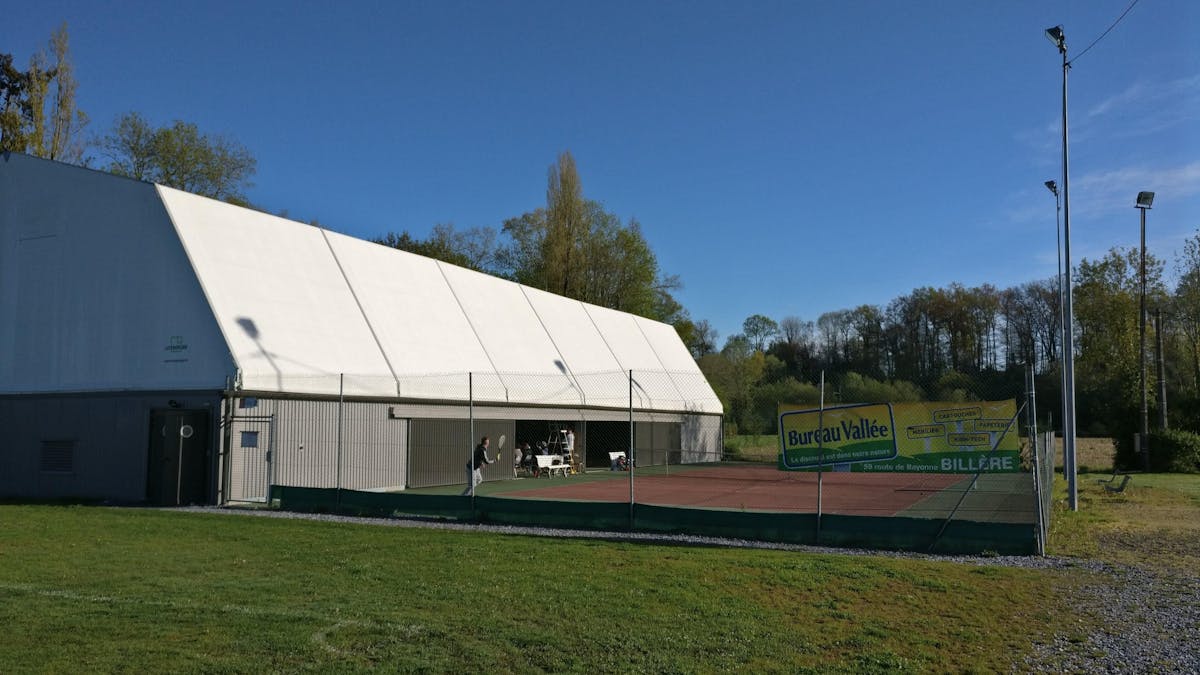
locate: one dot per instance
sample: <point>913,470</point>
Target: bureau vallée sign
<point>927,437</point>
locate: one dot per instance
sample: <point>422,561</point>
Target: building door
<point>251,460</point>
<point>178,471</point>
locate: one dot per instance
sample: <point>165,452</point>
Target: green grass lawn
<point>1154,523</point>
<point>94,589</point>
<point>132,590</point>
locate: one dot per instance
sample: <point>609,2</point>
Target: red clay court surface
<point>761,489</point>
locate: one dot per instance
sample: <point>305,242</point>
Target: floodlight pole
<point>1059,39</point>
<point>1145,416</point>
<point>1062,324</point>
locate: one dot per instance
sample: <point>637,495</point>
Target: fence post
<point>341,402</point>
<point>471,437</point>
<point>820,455</point>
<point>1034,453</point>
<point>632,458</point>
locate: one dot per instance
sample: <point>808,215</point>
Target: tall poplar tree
<point>39,114</point>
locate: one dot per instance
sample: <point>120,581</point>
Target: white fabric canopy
<point>123,273</point>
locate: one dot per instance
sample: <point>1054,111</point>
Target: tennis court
<point>757,487</point>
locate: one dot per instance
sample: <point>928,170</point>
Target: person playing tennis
<point>475,466</point>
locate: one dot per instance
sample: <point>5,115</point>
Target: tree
<point>705,339</point>
<point>39,114</point>
<point>180,156</point>
<point>576,248</point>
<point>473,248</point>
<point>566,227</point>
<point>1186,316</point>
<point>795,330</point>
<point>14,106</point>
<point>758,329</point>
<point>1106,318</point>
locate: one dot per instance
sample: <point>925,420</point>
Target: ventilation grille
<point>58,457</point>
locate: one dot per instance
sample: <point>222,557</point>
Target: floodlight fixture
<point>1052,187</point>
<point>1144,200</point>
<point>1058,37</point>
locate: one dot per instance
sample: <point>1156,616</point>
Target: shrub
<point>1126,457</point>
<point>1175,451</point>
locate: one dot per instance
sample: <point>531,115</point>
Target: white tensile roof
<point>297,308</point>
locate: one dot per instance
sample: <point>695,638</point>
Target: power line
<point>1114,25</point>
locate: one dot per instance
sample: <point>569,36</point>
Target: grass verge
<point>135,590</point>
<point>1154,523</point>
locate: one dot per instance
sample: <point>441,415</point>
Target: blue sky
<point>783,158</point>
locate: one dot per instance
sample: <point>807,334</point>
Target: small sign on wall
<point>176,350</point>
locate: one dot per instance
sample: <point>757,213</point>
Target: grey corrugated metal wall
<point>390,446</point>
<point>297,443</point>
<point>440,450</point>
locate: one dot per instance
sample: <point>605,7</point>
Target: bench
<point>548,464</point>
<point>1120,488</point>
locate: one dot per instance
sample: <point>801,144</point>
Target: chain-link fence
<point>910,474</point>
<point>331,432</point>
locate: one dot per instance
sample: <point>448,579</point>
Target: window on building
<point>249,439</point>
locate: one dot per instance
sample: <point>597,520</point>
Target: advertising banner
<point>932,437</point>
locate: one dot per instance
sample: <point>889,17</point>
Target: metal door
<point>179,457</point>
<point>251,457</point>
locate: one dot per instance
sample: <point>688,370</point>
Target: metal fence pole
<point>632,459</point>
<point>1032,434</point>
<point>820,454</point>
<point>471,436</point>
<point>341,402</point>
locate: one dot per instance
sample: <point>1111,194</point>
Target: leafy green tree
<point>704,339</point>
<point>857,388</point>
<point>1106,318</point>
<point>759,329</point>
<point>39,114</point>
<point>474,248</point>
<point>575,248</point>
<point>180,156</point>
<point>14,106</point>
<point>568,225</point>
<point>1185,317</point>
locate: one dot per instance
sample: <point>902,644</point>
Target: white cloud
<point>1112,191</point>
<point>1152,96</point>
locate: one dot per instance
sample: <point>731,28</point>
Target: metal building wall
<point>441,448</point>
<point>101,442</point>
<point>388,446</point>
<point>297,444</point>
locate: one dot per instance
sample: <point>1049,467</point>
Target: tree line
<point>958,343</point>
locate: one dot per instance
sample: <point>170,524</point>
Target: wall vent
<point>58,457</point>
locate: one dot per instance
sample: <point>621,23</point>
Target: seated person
<point>619,464</point>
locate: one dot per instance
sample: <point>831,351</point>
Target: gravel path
<point>1146,622</point>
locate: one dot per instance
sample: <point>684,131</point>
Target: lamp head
<point>1145,199</point>
<point>1052,186</point>
<point>1059,38</point>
